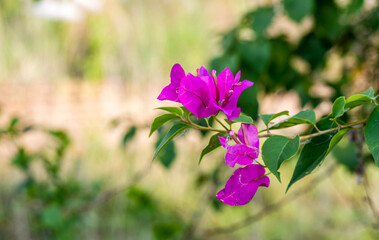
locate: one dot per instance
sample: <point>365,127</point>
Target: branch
<point>268,209</point>
<point>319,133</point>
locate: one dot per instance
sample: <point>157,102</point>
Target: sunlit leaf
<point>359,99</point>
<point>267,118</point>
<point>338,108</point>
<point>172,133</point>
<point>160,121</point>
<point>175,110</point>
<point>303,117</point>
<point>276,150</point>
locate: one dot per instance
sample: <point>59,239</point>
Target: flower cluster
<point>205,95</point>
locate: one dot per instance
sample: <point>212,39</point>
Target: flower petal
<point>223,142</point>
<point>194,94</point>
<point>231,104</point>
<point>251,135</point>
<point>243,184</point>
<point>169,93</point>
<point>203,72</point>
<point>241,154</point>
<point>225,82</point>
<point>177,73</point>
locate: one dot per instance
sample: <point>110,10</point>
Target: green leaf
<point>173,132</point>
<point>175,110</point>
<point>186,112</point>
<point>354,6</point>
<point>359,99</point>
<point>267,118</point>
<point>256,54</point>
<point>160,121</point>
<point>303,117</point>
<point>167,231</point>
<point>241,119</point>
<point>212,145</point>
<point>22,160</point>
<point>129,135</point>
<point>314,152</point>
<point>337,138</point>
<point>261,19</point>
<point>51,216</point>
<point>297,10</point>
<point>372,134</point>
<point>347,155</point>
<point>168,153</point>
<point>276,150</point>
<point>338,108</point>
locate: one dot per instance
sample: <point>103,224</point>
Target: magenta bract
<point>243,184</point>
<point>170,92</point>
<point>205,95</point>
<point>244,152</point>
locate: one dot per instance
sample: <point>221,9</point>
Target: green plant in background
<point>275,62</point>
<point>54,201</point>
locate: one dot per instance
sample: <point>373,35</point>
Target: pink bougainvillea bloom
<point>243,184</point>
<point>226,89</point>
<point>247,148</point>
<point>195,95</point>
<point>205,95</point>
<point>170,92</point>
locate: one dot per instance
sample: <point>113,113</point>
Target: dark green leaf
<point>327,20</point>
<point>359,99</point>
<point>297,10</point>
<point>168,154</point>
<point>160,121</point>
<point>276,150</point>
<point>256,54</point>
<point>212,145</point>
<point>261,19</point>
<point>372,134</point>
<point>303,117</point>
<point>346,155</point>
<point>241,119</point>
<point>313,152</point>
<point>338,108</point>
<point>129,135</point>
<point>22,159</point>
<point>337,138</point>
<point>166,231</point>
<point>267,118</point>
<point>175,110</point>
<point>354,6</point>
<point>173,132</point>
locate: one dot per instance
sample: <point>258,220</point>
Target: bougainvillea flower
<point>247,148</point>
<point>243,184</point>
<point>194,93</point>
<point>226,89</point>
<point>170,92</point>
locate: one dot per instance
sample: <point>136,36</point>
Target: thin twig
<point>268,209</point>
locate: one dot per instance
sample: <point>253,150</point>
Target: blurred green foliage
<point>275,61</point>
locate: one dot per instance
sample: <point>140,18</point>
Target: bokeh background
<point>78,87</point>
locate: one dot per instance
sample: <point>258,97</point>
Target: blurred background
<point>78,87</point>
